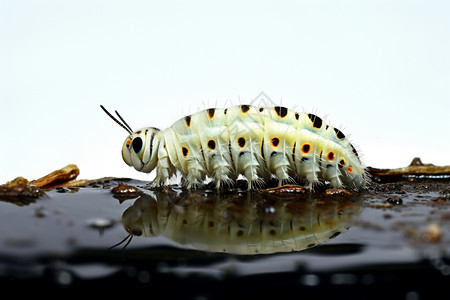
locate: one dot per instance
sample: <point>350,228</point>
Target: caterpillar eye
<point>137,145</point>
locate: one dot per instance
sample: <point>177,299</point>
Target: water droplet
<point>62,190</point>
<point>64,278</point>
<point>269,210</point>
<point>340,279</point>
<point>367,279</point>
<point>310,280</point>
<point>394,201</point>
<point>100,223</point>
<point>412,295</point>
<point>143,276</point>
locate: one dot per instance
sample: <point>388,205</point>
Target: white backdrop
<point>378,70</point>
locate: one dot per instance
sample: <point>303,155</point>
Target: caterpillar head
<point>140,148</point>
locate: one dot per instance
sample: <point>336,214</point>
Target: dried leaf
<point>17,181</point>
<point>416,167</point>
<point>57,178</point>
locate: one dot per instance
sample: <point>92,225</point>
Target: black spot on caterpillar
<point>281,111</point>
<point>188,120</point>
<point>339,133</point>
<point>245,108</point>
<point>211,112</point>
<point>317,122</point>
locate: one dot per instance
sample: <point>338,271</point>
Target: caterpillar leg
<point>336,183</point>
<point>250,169</point>
<point>220,169</point>
<point>196,174</point>
<point>281,167</point>
<point>164,170</point>
<point>353,180</point>
<point>332,174</point>
<point>251,173</point>
<point>160,178</point>
<point>308,168</point>
<point>283,175</point>
<point>222,178</point>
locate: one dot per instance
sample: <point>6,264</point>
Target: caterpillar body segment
<point>256,142</point>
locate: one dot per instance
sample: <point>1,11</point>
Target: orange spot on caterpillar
<point>330,156</point>
<point>275,141</point>
<point>241,142</point>
<point>306,148</point>
<point>185,151</point>
<point>211,144</point>
<point>350,170</point>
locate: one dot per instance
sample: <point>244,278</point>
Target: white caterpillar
<point>257,142</point>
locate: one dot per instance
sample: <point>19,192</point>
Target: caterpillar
<point>258,143</point>
<point>249,223</point>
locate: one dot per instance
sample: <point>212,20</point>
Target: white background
<point>378,70</point>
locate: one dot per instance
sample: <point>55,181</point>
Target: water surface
<point>218,244</point>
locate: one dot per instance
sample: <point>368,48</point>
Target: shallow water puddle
<point>391,233</point>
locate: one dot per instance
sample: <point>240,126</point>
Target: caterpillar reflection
<point>258,143</point>
<point>250,223</point>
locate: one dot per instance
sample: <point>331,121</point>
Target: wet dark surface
<point>392,240</point>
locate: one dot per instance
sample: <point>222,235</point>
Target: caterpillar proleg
<point>258,143</point>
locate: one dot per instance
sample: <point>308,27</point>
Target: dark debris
<point>20,194</point>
